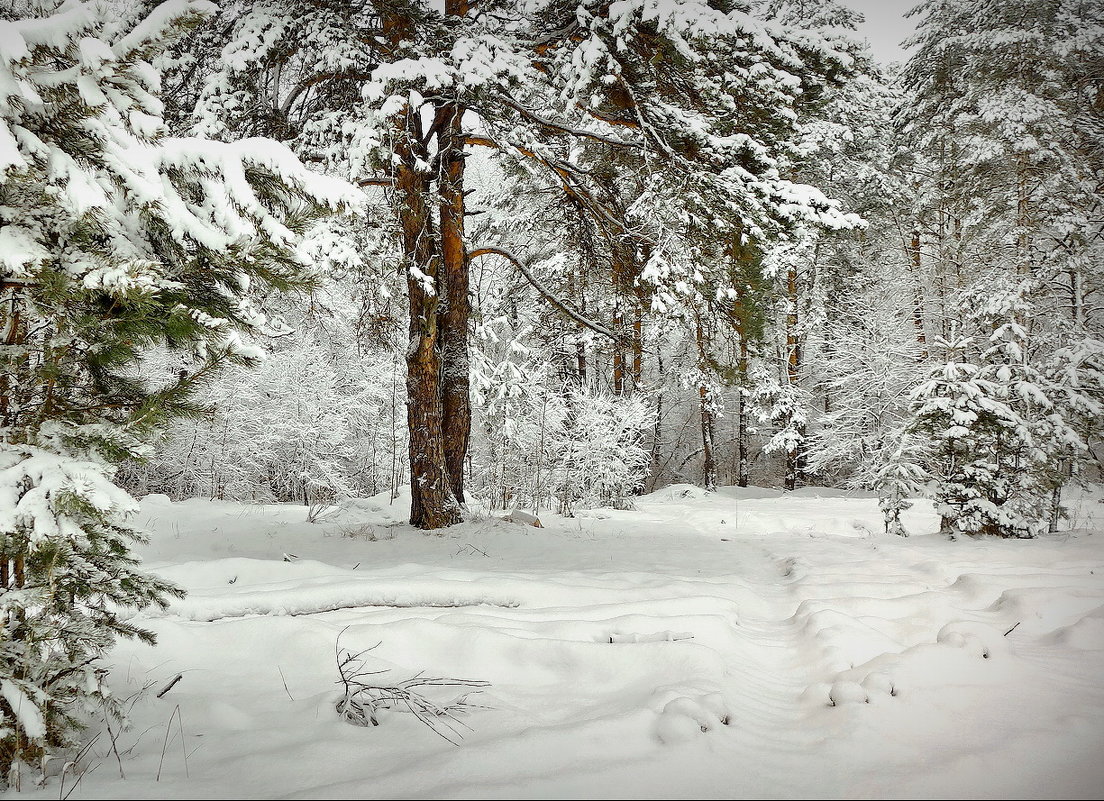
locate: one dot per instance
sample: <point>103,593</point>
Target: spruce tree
<point>1004,415</point>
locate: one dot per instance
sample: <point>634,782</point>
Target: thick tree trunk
<point>709,463</point>
<point>433,504</point>
<point>622,263</point>
<point>793,469</point>
<point>455,312</point>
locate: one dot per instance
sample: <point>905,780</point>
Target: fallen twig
<point>171,684</point>
<point>364,698</point>
<point>284,680</point>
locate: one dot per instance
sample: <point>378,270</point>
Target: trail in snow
<point>762,645</point>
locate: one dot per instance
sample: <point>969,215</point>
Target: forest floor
<point>739,644</point>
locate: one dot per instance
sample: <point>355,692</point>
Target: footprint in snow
<point>879,682</point>
<point>787,567</point>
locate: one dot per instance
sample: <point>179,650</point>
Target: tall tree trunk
<point>621,263</point>
<point>705,408</point>
<point>1055,509</point>
<point>455,311</point>
<point>657,425</point>
<point>433,504</point>
<point>918,299</point>
<point>709,462</point>
<point>1024,263</point>
<point>637,347</point>
<point>743,438</point>
<point>795,456</point>
<point>618,352</point>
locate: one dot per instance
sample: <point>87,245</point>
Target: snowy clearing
<point>742,644</point>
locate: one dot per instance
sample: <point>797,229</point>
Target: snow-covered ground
<point>742,644</point>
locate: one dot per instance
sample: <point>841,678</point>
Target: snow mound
<point>684,718</point>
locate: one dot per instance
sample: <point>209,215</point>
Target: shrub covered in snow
<point>545,444</point>
<point>307,425</point>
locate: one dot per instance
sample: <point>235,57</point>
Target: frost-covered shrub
<point>899,477</point>
<point>871,365</point>
<point>598,455</point>
<point>309,424</point>
<point>549,445</point>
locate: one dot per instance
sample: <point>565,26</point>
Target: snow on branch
<point>547,293</point>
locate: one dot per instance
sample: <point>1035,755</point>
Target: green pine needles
<point>114,237</point>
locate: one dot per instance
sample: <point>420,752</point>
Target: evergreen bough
<point>1007,418</point>
<point>113,237</point>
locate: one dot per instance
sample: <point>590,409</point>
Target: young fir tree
<point>113,237</point>
<point>899,477</point>
<point>961,412</point>
<point>1003,424</point>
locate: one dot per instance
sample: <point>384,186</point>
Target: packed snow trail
<point>743,644</point>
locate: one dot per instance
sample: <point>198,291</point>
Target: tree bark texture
<point>795,457</point>
<point>705,407</point>
<point>743,437</point>
<point>455,310</point>
<point>433,503</point>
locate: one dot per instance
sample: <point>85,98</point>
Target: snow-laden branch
<point>548,294</point>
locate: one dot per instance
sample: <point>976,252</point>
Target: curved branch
<point>548,294</point>
<point>566,129</point>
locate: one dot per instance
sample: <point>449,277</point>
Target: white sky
<point>885,26</point>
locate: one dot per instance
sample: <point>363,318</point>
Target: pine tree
<point>113,237</point>
<point>1003,114</point>
<point>660,126</point>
